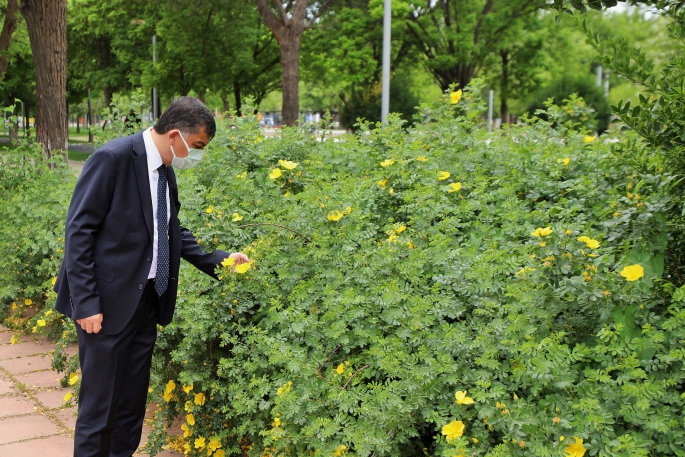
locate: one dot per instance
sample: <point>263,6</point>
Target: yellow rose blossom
<point>453,430</point>
<point>170,386</point>
<point>242,175</point>
<point>334,216</point>
<point>28,302</point>
<point>443,175</point>
<point>200,443</point>
<point>475,440</point>
<point>462,399</point>
<point>220,453</point>
<point>190,419</point>
<point>41,323</point>
<point>382,183</point>
<point>401,229</point>
<point>214,444</point>
<point>243,267</point>
<point>227,262</point>
<point>167,396</point>
<point>421,159</point>
<point>187,389</point>
<point>67,397</point>
<point>287,164</point>
<point>348,210</point>
<point>569,232</point>
<point>200,399</point>
<point>566,160</point>
<point>54,280</point>
<point>455,97</point>
<point>633,272</point>
<point>275,173</point>
<point>576,449</point>
<point>339,451</point>
<point>542,231</point>
<point>186,448</point>
<point>236,217</point>
<point>186,431</point>
<point>589,139</point>
<point>386,163</point>
<point>341,368</point>
<point>210,210</point>
<point>73,379</point>
<point>277,422</point>
<point>454,187</point>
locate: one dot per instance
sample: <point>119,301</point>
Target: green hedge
<point>383,288</point>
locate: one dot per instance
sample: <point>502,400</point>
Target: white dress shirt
<point>154,161</point>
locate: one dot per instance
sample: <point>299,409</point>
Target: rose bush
<point>432,291</point>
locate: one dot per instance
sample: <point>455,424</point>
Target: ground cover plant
<point>432,291</point>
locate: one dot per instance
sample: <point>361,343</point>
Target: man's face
<point>197,140</point>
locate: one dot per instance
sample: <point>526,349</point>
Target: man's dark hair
<point>187,114</point>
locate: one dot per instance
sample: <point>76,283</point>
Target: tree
<point>201,56</point>
<point>46,21</point>
<point>293,19</point>
<point>8,26</point>
<point>457,36</point>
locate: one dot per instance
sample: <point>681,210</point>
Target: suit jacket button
<point>140,286</point>
<point>149,259</point>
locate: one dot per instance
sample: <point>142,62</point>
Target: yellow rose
<point>275,173</point>
<point>287,164</point>
<point>633,272</point>
<point>443,175</point>
<point>455,97</point>
<point>453,430</point>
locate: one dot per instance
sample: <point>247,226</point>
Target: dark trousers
<point>115,371</point>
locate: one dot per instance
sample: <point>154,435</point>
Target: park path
<point>33,419</point>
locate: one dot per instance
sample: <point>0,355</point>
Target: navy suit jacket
<point>108,241</point>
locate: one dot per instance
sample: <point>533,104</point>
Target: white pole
<point>385,99</point>
<point>491,96</point>
<point>599,76</point>
<point>606,83</point>
<point>155,111</point>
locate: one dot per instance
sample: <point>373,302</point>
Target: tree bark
<point>290,62</point>
<point>288,32</point>
<point>8,28</point>
<point>46,21</point>
<point>504,105</point>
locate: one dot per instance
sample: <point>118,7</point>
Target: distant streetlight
<point>385,89</point>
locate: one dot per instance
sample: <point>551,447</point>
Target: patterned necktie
<point>162,278</point>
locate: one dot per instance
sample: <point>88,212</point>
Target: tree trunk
<point>238,99</point>
<point>290,63</point>
<point>224,101</point>
<point>504,106</point>
<point>90,118</point>
<point>46,21</point>
<point>6,35</point>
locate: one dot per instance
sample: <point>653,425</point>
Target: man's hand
<point>239,258</point>
<point>91,324</point>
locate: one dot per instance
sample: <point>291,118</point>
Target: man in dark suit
<point>119,276</point>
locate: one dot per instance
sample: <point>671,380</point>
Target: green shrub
<point>34,195</point>
<point>366,103</point>
<point>379,290</point>
<point>596,118</point>
<point>395,269</point>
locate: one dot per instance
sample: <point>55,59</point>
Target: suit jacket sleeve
<point>89,206</point>
<point>191,251</point>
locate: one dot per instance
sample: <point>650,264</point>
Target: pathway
<point>33,418</point>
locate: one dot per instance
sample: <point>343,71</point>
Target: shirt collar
<point>154,159</point>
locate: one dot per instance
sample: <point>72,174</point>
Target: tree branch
<point>270,19</point>
<point>276,225</point>
<point>6,35</point>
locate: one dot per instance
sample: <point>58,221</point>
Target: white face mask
<point>193,158</point>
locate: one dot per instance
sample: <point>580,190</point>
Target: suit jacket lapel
<point>140,164</point>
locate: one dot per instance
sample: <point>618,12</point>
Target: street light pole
<point>385,98</point>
